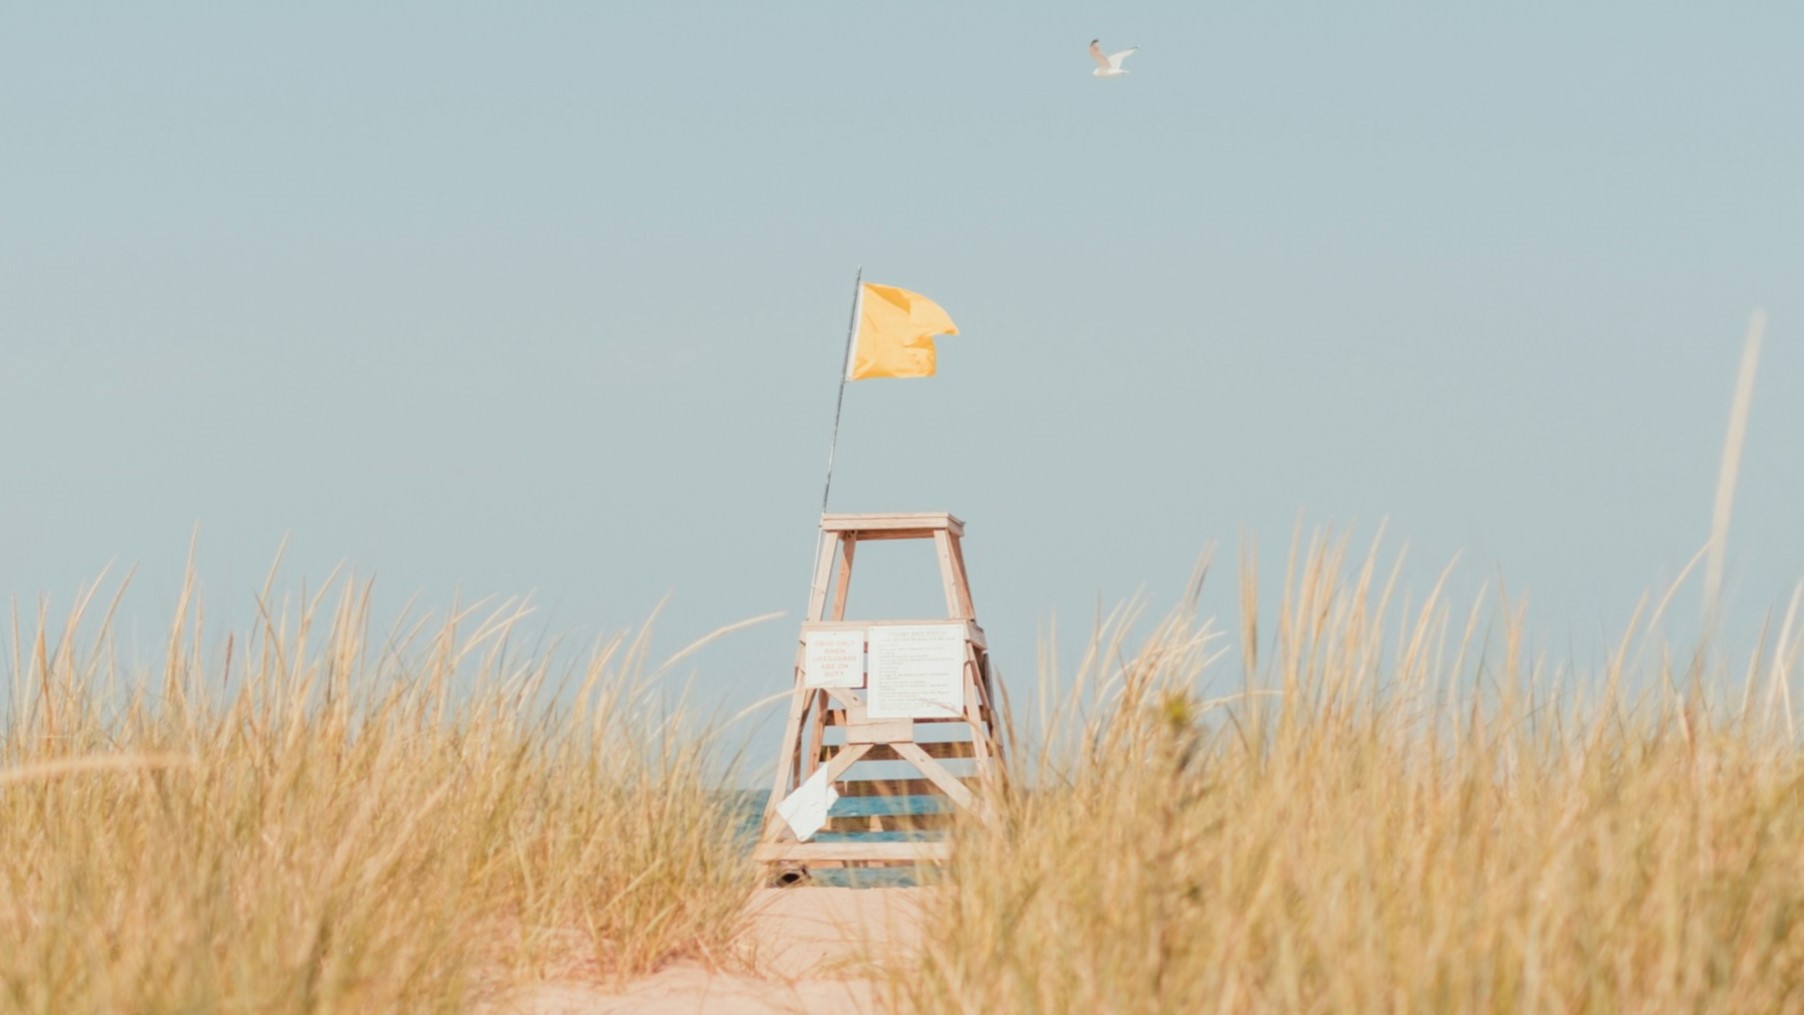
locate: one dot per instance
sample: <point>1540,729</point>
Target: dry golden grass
<point>312,818</point>
<point>1397,811</point>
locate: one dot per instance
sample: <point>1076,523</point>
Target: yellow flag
<point>895,333</point>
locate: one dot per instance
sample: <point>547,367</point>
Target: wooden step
<point>894,787</point>
<point>931,822</point>
<point>836,717</point>
<point>892,852</point>
<point>884,752</point>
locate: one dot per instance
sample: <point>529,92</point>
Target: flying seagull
<point>1109,66</point>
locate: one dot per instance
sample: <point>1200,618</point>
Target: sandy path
<point>802,945</point>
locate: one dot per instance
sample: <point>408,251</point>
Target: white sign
<point>833,658</point>
<point>917,672</point>
<point>806,808</point>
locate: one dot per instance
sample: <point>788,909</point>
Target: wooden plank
<point>964,577</point>
<point>882,750</point>
<point>893,852</point>
<point>974,705</point>
<point>880,731</point>
<point>928,521</point>
<point>973,690</point>
<point>930,822</point>
<point>942,546</point>
<point>848,625</point>
<point>823,569</point>
<point>837,765</point>
<point>893,787</point>
<point>973,633</point>
<point>846,547</point>
<point>789,759</point>
<point>843,520</point>
<point>883,534</point>
<point>935,771</point>
<point>817,727</point>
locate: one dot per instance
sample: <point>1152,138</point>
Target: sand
<point>802,952</point>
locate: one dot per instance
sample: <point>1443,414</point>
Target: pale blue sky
<point>549,298</point>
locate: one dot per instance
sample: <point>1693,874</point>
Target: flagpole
<point>844,369</point>
<point>833,441</point>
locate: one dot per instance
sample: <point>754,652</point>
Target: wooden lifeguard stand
<point>882,691</point>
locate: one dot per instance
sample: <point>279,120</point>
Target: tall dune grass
<point>1392,808</point>
<point>312,816</point>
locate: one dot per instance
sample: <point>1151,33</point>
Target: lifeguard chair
<point>916,694</point>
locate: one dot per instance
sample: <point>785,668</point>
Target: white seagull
<point>1109,66</point>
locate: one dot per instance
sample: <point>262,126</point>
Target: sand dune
<point>804,950</point>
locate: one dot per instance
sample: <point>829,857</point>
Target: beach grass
<point>1353,803</point>
<point>1388,807</point>
<point>1356,803</point>
<point>313,815</point>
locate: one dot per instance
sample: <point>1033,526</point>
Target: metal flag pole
<point>845,369</point>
